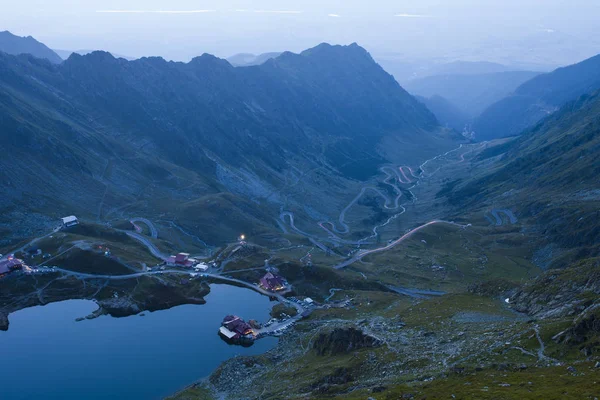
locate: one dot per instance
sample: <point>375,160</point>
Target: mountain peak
<point>96,56</point>
<point>327,48</point>
<point>209,62</point>
<point>15,45</point>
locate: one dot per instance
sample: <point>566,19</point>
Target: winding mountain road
<point>147,222</point>
<point>146,242</point>
<point>511,217</point>
<point>364,253</point>
<point>387,203</point>
<point>403,175</point>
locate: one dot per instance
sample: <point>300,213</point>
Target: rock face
<point>584,332</point>
<point>559,293</point>
<point>343,340</point>
<point>3,321</point>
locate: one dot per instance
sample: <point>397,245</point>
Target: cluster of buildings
<point>184,260</point>
<point>9,265</point>
<point>235,330</point>
<point>181,260</point>
<point>273,282</point>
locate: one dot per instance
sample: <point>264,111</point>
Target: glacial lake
<point>46,354</point>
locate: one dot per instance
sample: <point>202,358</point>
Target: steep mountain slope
<point>446,112</point>
<point>538,98</point>
<point>12,44</point>
<point>470,93</point>
<point>98,135</point>
<point>549,176</point>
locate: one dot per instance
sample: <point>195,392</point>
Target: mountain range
<point>248,59</point>
<point>65,54</point>
<point>471,93</point>
<point>95,134</point>
<point>537,98</point>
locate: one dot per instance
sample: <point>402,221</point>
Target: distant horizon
<point>379,57</point>
<point>524,32</point>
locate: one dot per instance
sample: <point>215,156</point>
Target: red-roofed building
<point>272,282</point>
<point>181,260</point>
<point>235,329</point>
<point>10,264</point>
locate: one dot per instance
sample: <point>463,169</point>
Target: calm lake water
<point>45,354</point>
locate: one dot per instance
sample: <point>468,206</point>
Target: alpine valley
<point>404,257</point>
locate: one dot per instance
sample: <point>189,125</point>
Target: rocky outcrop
<point>585,331</point>
<point>343,340</point>
<point>3,321</point>
<point>560,293</point>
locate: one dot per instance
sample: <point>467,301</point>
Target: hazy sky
<point>555,30</point>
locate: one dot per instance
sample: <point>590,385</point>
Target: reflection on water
<point>47,355</point>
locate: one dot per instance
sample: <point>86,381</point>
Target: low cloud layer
<point>194,11</point>
<point>154,11</point>
<point>404,15</point>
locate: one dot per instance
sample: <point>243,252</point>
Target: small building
<point>69,221</point>
<point>227,333</point>
<point>308,300</point>
<point>272,282</point>
<point>201,267</point>
<point>181,260</point>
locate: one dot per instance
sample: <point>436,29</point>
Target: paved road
<point>82,275</point>
<point>153,230</point>
<point>387,201</point>
<point>310,237</point>
<point>364,253</point>
<point>403,174</point>
<point>265,331</point>
<point>416,293</point>
<point>375,229</point>
<point>146,242</point>
<point>496,214</point>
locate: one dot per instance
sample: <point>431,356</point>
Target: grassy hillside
<point>549,175</point>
